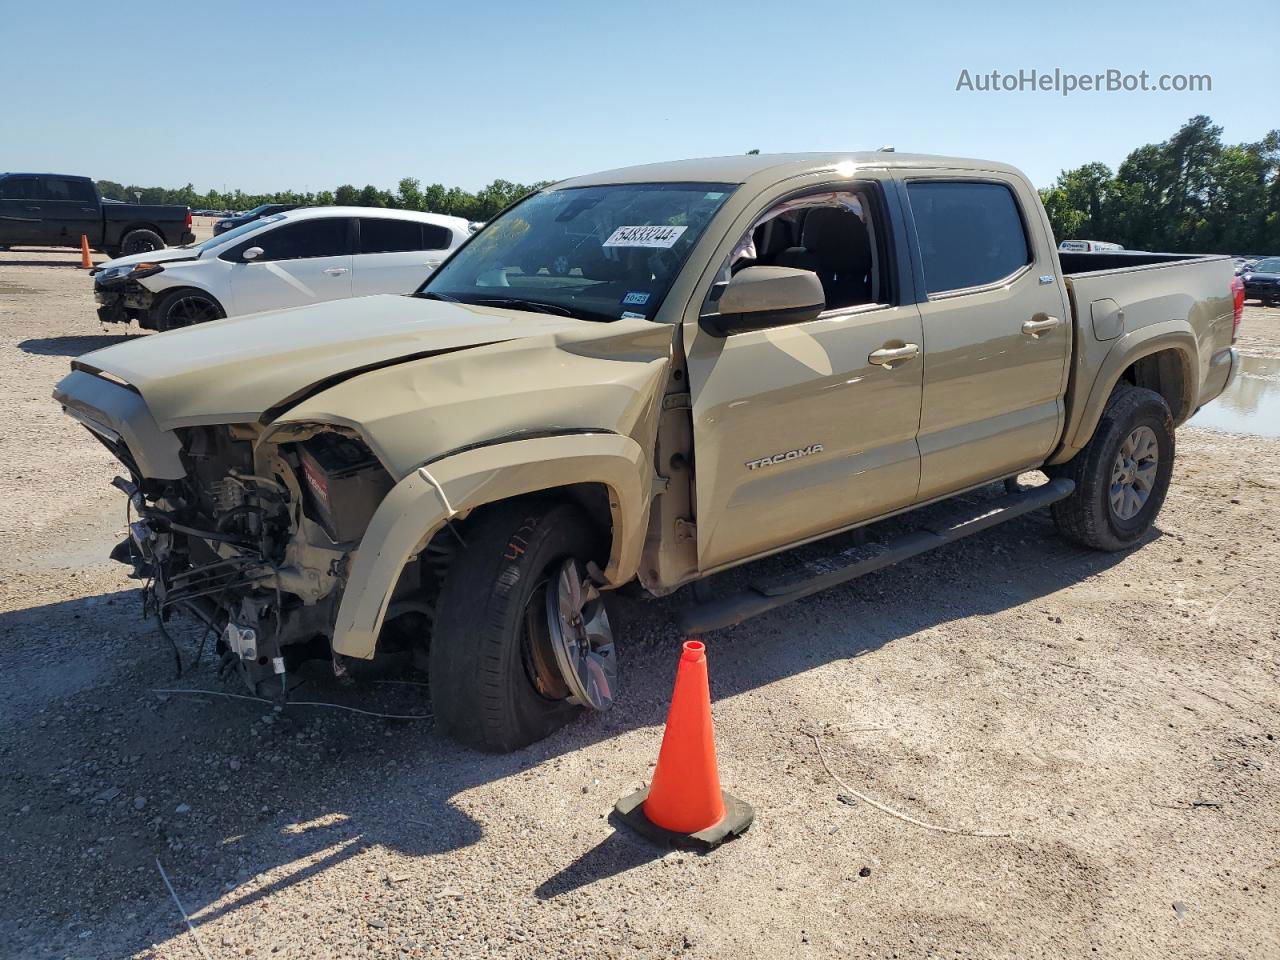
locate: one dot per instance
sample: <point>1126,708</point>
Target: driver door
<point>302,262</point>
<point>836,424</point>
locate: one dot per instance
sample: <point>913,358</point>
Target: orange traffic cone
<point>85,262</point>
<point>684,805</point>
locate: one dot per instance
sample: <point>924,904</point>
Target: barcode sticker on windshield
<point>658,237</point>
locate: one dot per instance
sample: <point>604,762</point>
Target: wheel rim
<point>141,245</point>
<point>1133,475</point>
<point>581,637</point>
<point>191,309</point>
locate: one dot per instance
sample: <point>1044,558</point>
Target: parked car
<point>1088,246</point>
<point>283,260</point>
<point>257,213</point>
<point>55,210</point>
<point>1262,281</point>
<point>648,376</point>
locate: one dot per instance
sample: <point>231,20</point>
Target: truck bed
<point>1115,296</point>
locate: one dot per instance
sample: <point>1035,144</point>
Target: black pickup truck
<point>55,210</point>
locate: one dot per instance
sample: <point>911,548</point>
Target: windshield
<point>1269,265</point>
<point>596,253</point>
<point>231,234</point>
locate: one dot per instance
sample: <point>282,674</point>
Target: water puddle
<point>1250,405</point>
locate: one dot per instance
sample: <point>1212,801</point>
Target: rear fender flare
<point>423,501</point>
<point>1130,348</point>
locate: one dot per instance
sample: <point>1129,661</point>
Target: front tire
<point>1122,475</point>
<point>494,680</point>
<point>184,308</point>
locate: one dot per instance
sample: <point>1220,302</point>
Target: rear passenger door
<point>996,329</point>
<point>396,256</point>
<point>70,210</point>
<point>302,262</point>
<point>21,212</point>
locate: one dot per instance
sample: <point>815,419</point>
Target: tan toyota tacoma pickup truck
<point>646,376</point>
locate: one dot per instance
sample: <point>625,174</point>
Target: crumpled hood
<point>152,256</point>
<point>231,371</point>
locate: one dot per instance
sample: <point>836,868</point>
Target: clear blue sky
<point>272,95</point>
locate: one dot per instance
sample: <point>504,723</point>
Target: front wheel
<point>1122,475</point>
<point>184,308</point>
<point>523,639</point>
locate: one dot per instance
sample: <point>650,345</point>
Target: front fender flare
<point>420,504</point>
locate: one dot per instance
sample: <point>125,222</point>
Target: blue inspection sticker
<point>632,315</point>
<point>636,298</point>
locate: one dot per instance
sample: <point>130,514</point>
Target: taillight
<point>188,219</point>
<point>1237,306</point>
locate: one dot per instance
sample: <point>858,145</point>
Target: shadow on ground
<point>316,787</point>
<point>71,346</point>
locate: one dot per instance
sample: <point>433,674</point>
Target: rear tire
<point>1122,475</point>
<point>141,240</point>
<point>184,308</point>
<point>486,661</point>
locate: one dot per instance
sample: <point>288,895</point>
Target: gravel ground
<point>1114,715</point>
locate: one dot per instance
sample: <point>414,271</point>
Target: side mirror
<point>253,253</point>
<point>761,297</point>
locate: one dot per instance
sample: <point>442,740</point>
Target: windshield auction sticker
<point>658,237</point>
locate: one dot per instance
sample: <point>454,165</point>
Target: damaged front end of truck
<point>253,540</point>
<point>260,454</point>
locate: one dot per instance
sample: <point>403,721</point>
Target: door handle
<point>887,356</point>
<point>1034,327</point>
<point>88,210</point>
<point>36,209</point>
<point>336,271</point>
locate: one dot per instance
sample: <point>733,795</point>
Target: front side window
<point>834,234</point>
<point>304,240</point>
<point>970,234</point>
<point>596,253</point>
<point>19,188</point>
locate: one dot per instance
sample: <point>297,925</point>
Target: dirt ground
<point>1115,716</point>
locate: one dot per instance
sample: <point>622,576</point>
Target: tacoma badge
<point>789,455</point>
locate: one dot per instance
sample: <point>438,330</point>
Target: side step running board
<point>858,561</point>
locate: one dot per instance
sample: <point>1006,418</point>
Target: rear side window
<point>304,240</point>
<point>970,234</point>
<point>19,188</point>
<point>76,191</point>
<point>386,235</point>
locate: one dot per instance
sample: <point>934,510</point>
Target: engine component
<point>345,482</point>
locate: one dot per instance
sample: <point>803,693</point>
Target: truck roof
<point>775,166</point>
<point>27,173</point>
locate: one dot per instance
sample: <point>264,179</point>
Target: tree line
<point>1190,194</point>
<point>409,194</point>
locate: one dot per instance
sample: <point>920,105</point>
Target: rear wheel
<point>523,640</point>
<point>184,308</point>
<point>141,240</point>
<point>1122,475</point>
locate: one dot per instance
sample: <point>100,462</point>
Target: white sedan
<point>286,260</point>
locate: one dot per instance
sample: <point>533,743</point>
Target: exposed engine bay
<point>255,540</point>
